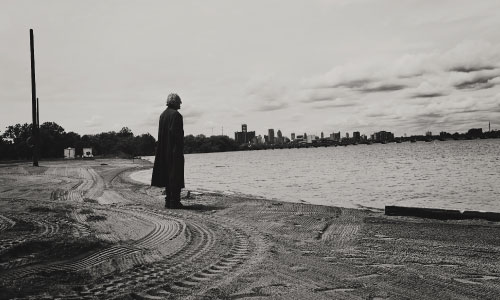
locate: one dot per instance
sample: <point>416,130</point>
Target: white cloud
<point>94,121</point>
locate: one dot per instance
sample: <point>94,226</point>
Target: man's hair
<point>173,100</point>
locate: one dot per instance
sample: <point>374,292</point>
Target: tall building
<point>335,136</point>
<point>243,136</point>
<point>271,136</point>
<point>383,136</point>
<point>347,135</point>
<point>322,135</point>
<point>279,138</point>
<point>356,136</point>
<point>293,136</point>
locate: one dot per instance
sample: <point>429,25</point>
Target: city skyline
<point>355,133</point>
<point>310,66</point>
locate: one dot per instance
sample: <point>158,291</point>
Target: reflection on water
<point>452,174</point>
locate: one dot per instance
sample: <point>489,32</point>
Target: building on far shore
<point>335,136</point>
<point>383,136</point>
<point>356,136</point>
<point>244,136</point>
<point>271,136</point>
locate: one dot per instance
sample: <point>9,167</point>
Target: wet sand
<point>86,230</point>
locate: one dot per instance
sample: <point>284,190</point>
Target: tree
<point>146,144</point>
<point>52,140</point>
<point>125,132</point>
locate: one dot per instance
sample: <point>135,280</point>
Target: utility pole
<point>37,115</point>
<point>34,104</point>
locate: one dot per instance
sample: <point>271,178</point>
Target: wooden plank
<point>441,214</point>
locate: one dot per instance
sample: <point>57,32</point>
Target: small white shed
<point>69,153</point>
<point>87,153</point>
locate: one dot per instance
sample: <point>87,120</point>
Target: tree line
<point>16,144</point>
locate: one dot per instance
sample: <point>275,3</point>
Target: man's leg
<point>168,199</point>
<point>176,199</point>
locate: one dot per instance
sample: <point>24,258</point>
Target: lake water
<point>461,175</point>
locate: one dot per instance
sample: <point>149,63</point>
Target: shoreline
<point>86,230</point>
<point>137,177</point>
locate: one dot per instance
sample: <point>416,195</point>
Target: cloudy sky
<point>300,66</point>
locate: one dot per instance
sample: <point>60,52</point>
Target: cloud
<point>267,93</point>
<point>471,68</point>
<point>478,80</point>
<point>428,95</point>
<point>272,105</point>
<point>94,121</point>
<point>468,65</point>
<point>191,113</point>
<point>376,115</point>
<point>429,90</point>
<point>430,115</point>
<point>383,88</point>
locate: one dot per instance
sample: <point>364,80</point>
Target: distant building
<point>475,132</point>
<point>279,138</point>
<point>428,133</point>
<point>347,135</point>
<point>322,135</point>
<point>335,136</point>
<point>87,153</point>
<point>383,136</point>
<point>271,136</point>
<point>356,136</point>
<point>69,153</point>
<point>293,136</point>
<point>310,138</point>
<point>243,136</point>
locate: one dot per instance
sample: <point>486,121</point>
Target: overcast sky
<point>299,66</point>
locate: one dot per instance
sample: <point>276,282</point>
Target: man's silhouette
<point>168,170</point>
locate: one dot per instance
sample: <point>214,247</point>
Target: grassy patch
<point>86,211</point>
<point>52,249</point>
<point>22,225</point>
<point>46,251</point>
<point>88,200</point>
<point>95,218</point>
<point>44,209</point>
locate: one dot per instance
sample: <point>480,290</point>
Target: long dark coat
<point>168,170</point>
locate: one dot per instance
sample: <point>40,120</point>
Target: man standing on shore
<point>168,170</point>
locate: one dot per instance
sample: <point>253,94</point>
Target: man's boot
<point>168,199</point>
<point>176,199</point>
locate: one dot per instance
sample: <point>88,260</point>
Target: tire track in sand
<point>194,277</point>
<point>164,231</point>
<point>6,223</point>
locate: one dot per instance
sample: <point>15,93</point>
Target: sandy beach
<point>86,230</point>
